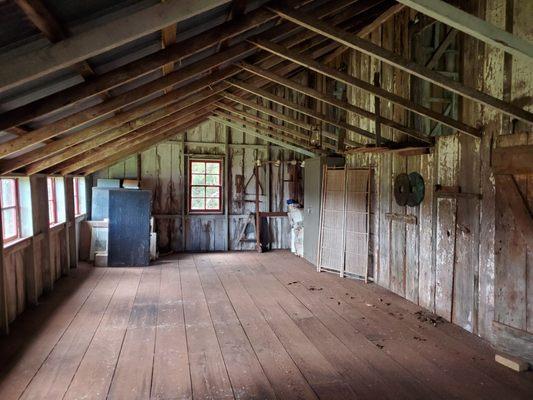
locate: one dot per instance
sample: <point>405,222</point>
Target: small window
<point>10,209</point>
<point>52,201</point>
<point>205,183</point>
<point>79,196</point>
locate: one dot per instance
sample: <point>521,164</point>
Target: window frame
<point>220,186</point>
<point>52,200</point>
<point>16,207</point>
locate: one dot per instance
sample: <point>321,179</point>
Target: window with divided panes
<point>205,186</point>
<point>10,209</point>
<point>52,201</point>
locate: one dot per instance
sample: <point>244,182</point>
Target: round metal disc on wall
<point>417,189</point>
<point>401,189</point>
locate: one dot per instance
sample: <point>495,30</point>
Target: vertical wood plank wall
<point>446,262</point>
<point>31,266</point>
<point>163,170</point>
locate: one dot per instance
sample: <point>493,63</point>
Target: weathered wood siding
<point>164,171</point>
<point>446,261</point>
<point>32,265</point>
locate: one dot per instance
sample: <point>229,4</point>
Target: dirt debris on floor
<point>425,316</point>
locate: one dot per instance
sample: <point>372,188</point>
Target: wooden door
<point>331,243</point>
<point>357,213</point>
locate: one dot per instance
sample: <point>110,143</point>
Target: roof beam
<point>111,148</point>
<point>168,38</point>
<point>105,37</point>
<point>130,71</point>
<point>389,57</point>
<point>305,40</point>
<point>308,62</point>
<point>268,124</point>
<point>150,141</point>
<point>303,110</point>
<point>277,127</point>
<point>155,61</point>
<point>242,120</point>
<point>108,106</point>
<point>326,98</point>
<point>268,111</point>
<point>186,107</point>
<point>127,98</point>
<point>43,19</point>
<point>138,116</point>
<point>378,21</point>
<point>474,26</point>
<point>280,116</point>
<point>262,134</point>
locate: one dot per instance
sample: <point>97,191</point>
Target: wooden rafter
<point>114,104</point>
<point>200,42</point>
<point>281,128</point>
<point>302,109</point>
<point>273,132</point>
<point>474,26</point>
<point>120,101</point>
<point>259,133</point>
<point>130,71</point>
<point>268,111</point>
<point>315,46</point>
<point>123,100</point>
<point>43,19</point>
<point>168,38</point>
<point>141,135</point>
<point>98,40</point>
<point>167,82</point>
<point>378,21</point>
<point>324,97</point>
<point>308,62</point>
<point>185,107</point>
<point>398,61</point>
<point>305,40</point>
<point>152,62</point>
<point>128,151</point>
<point>148,112</point>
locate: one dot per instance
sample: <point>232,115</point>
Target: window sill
<point>17,244</point>
<point>57,226</point>
<point>80,217</point>
<point>206,213</point>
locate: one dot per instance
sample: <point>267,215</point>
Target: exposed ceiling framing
<point>218,71</point>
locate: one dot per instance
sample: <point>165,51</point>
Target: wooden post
<point>139,167</point>
<point>377,111</point>
<point>70,227</point>
<point>4,320</point>
<point>258,244</point>
<point>227,193</point>
<point>41,228</point>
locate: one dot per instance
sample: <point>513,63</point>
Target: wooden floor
<point>240,325</point>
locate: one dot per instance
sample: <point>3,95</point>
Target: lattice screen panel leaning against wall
<point>344,227</point>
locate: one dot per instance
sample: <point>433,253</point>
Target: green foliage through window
<point>205,186</point>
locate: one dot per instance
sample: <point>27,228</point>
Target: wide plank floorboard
<point>240,325</point>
